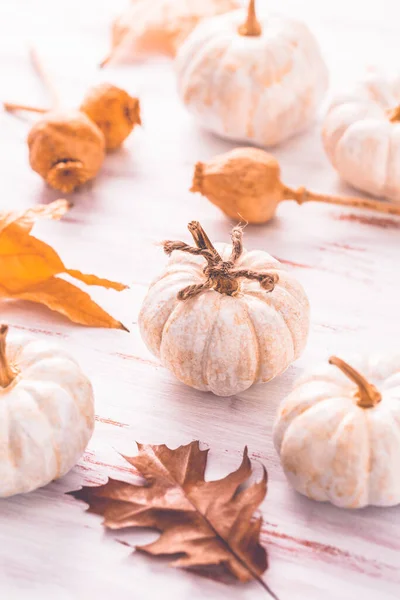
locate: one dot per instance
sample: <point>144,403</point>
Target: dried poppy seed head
<point>67,175</point>
<point>244,183</point>
<point>66,149</point>
<point>114,111</point>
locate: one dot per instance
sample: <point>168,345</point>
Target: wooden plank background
<point>348,262</point>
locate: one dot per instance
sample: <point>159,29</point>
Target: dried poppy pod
<point>245,183</point>
<point>113,110</point>
<point>66,148</point>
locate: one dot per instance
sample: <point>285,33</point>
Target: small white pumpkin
<point>252,81</point>
<point>221,318</point>
<point>361,135</point>
<point>46,413</point>
<point>338,437</point>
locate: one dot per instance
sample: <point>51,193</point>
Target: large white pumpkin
<point>46,413</point>
<point>361,135</point>
<point>338,436</point>
<point>255,82</point>
<point>224,327</point>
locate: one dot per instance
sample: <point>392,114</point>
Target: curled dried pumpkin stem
<point>7,372</point>
<point>367,394</point>
<point>221,275</point>
<point>251,27</point>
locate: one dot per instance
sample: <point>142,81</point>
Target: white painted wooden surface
<point>348,262</point>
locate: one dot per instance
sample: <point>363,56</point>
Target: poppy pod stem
<point>302,195</point>
<point>10,106</point>
<point>45,78</point>
<point>48,84</point>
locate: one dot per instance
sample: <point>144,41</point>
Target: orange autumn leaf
<point>29,270</point>
<point>25,260</point>
<point>27,218</point>
<point>69,300</point>
<point>94,280</point>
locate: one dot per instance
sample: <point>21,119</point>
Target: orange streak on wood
<point>90,458</point>
<point>326,552</point>
<point>293,264</point>
<point>36,330</point>
<point>340,246</point>
<point>135,358</point>
<point>110,422</point>
<point>381,222</point>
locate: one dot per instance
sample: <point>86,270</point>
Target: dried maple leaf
<point>208,523</point>
<point>160,26</point>
<point>29,270</point>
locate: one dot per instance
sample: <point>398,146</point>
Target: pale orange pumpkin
<point>159,26</point>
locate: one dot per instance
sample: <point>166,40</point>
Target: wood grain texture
<point>347,261</point>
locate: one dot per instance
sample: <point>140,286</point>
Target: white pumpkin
<point>361,135</point>
<point>46,413</point>
<point>338,436</point>
<point>221,318</point>
<point>255,82</point>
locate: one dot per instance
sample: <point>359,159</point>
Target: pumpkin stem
<point>394,114</point>
<point>201,239</point>
<point>367,394</point>
<point>221,275</point>
<point>302,195</point>
<point>7,372</point>
<point>251,27</point>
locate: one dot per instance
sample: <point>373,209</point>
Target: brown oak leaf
<point>207,523</point>
<point>30,269</point>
